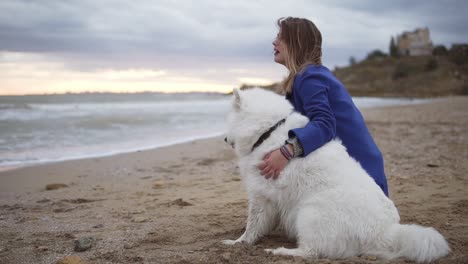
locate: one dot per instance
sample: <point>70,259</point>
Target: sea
<point>48,128</point>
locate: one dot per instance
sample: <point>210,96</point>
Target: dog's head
<point>252,113</point>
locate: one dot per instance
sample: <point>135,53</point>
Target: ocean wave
<point>17,106</point>
<point>39,131</point>
<point>91,110</point>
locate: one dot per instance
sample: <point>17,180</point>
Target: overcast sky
<point>210,45</point>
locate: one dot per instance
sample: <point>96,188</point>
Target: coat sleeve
<point>313,93</point>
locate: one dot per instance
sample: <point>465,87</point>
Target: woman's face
<point>279,49</point>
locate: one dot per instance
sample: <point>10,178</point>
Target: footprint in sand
<point>179,202</point>
<point>55,186</point>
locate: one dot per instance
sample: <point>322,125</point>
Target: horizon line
<point>119,93</point>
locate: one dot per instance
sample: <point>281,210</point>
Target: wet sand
<point>175,204</point>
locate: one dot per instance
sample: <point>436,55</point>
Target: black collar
<point>265,135</point>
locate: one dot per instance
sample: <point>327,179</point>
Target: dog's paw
<point>286,251</point>
<point>229,242</point>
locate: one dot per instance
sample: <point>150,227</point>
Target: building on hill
<point>415,43</point>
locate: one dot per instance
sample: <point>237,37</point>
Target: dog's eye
<point>229,142</point>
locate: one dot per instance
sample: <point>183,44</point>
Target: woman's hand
<point>273,163</point>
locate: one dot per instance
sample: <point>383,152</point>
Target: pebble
<point>180,202</point>
<point>70,260</point>
<point>128,246</point>
<point>226,256</point>
<point>140,219</point>
<point>42,248</point>
<point>83,243</point>
<point>98,226</point>
<point>158,185</point>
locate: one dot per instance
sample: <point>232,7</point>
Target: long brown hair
<point>303,46</point>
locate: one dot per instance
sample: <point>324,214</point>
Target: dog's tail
<point>417,243</point>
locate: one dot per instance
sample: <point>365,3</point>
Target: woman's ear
<point>237,99</point>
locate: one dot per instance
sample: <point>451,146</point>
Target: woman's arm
<point>313,91</point>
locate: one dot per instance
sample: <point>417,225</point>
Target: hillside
<point>415,76</point>
<point>407,76</point>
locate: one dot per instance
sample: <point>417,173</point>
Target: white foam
<point>39,132</point>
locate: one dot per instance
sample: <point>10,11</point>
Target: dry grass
<point>416,76</point>
<point>404,77</point>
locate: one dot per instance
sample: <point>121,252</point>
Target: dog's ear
<point>237,99</point>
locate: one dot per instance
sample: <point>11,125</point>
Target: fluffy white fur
<point>325,201</point>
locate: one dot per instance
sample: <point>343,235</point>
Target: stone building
<point>415,43</point>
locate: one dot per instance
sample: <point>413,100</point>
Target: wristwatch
<point>297,147</point>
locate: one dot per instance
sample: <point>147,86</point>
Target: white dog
<point>325,201</point>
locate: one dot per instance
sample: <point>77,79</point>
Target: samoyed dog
<point>325,201</point>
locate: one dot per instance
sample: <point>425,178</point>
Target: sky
<point>59,46</point>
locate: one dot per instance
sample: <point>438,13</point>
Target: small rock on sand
<point>226,256</point>
<point>140,219</point>
<point>42,248</point>
<point>128,246</point>
<point>55,186</point>
<point>83,243</point>
<point>158,185</point>
<point>180,202</point>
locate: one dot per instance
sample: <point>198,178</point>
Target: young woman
<point>315,92</point>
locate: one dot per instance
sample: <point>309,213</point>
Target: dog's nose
<point>225,139</point>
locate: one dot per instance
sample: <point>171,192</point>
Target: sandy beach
<point>175,204</point>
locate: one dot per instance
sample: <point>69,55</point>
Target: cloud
<point>208,28</point>
<point>132,74</point>
<point>188,38</point>
<point>118,26</point>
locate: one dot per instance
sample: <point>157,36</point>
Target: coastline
<point>15,166</point>
<point>363,103</point>
<point>174,204</point>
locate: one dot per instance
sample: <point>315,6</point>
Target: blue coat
<point>320,96</point>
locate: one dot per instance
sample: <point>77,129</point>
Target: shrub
<point>459,54</point>
<point>440,50</point>
<point>376,54</point>
<point>465,89</point>
<point>393,49</point>
<point>431,65</point>
<point>401,70</point>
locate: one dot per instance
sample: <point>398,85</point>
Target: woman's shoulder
<point>314,71</point>
<point>317,76</point>
<point>318,73</point>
